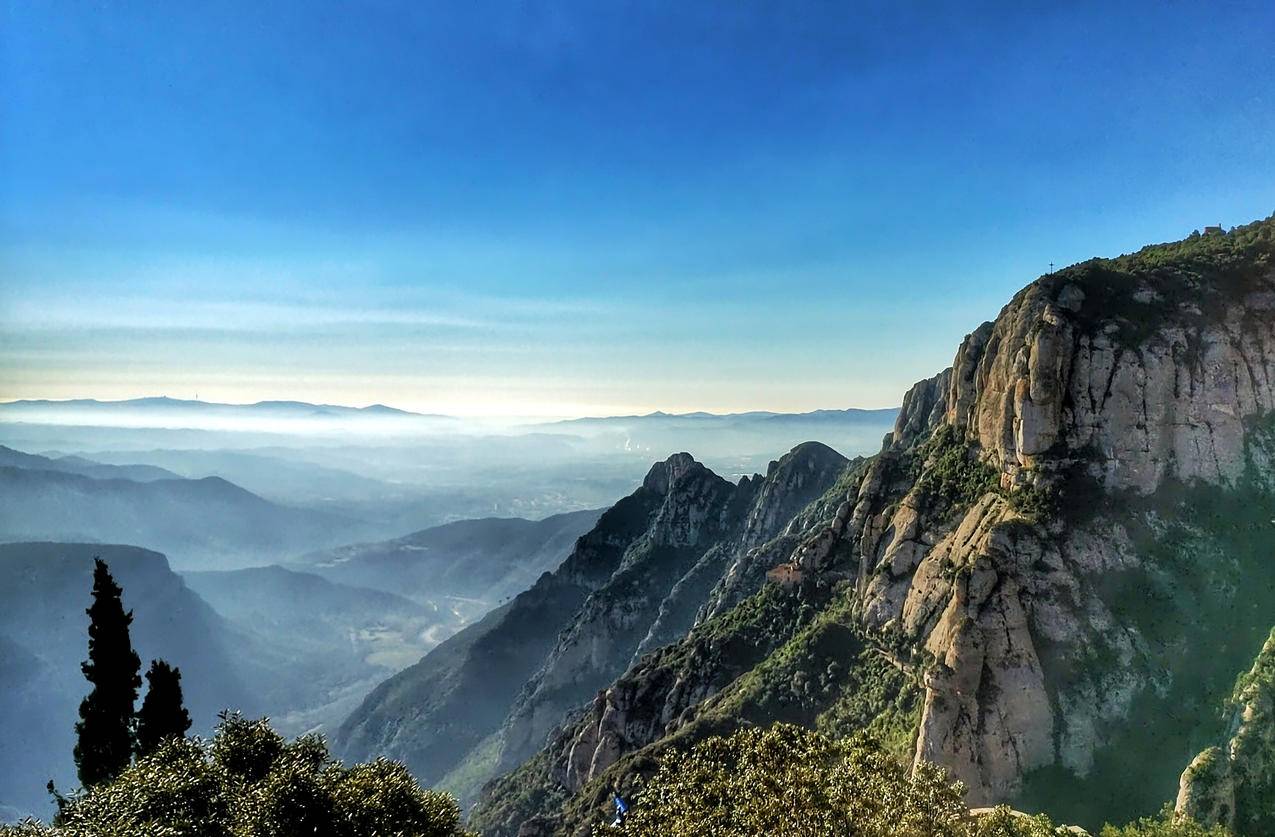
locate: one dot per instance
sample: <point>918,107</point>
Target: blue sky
<point>562,208</point>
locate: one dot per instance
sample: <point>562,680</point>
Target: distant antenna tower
<point>1051,267</point>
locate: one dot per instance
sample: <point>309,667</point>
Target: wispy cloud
<point>141,314</point>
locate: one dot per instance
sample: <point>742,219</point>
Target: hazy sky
<point>594,207</point>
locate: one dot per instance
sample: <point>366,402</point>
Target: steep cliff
<point>1045,581</point>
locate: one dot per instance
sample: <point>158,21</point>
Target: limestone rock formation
<point>1067,532</point>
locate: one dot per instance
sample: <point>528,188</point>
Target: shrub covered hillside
<point>787,780</point>
<point>248,782</point>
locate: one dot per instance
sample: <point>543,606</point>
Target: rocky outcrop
<point>652,597</point>
<point>1070,522</point>
<point>598,641</point>
<point>631,584</point>
<point>657,693</point>
<point>801,487</point>
<point>1234,784</point>
<point>924,406</point>
<point>1126,378</point>
<point>1144,376</point>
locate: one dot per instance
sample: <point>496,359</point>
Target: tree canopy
<point>248,782</point>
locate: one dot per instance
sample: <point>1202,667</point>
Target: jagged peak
<point>923,408</point>
<point>664,475</point>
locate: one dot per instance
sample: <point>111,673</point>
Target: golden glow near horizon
<point>479,409</point>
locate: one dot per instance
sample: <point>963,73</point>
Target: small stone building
<point>785,575</point>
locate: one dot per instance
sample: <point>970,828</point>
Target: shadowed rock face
<point>640,574</point>
<point>652,598</point>
<point>1067,534</point>
<point>1234,784</point>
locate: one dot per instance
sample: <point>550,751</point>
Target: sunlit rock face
<point>1064,544</point>
<point>1120,393</point>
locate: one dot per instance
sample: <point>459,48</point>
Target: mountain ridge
<point>528,655</point>
<point>207,520</point>
<point>489,558</point>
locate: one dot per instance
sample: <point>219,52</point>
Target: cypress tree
<point>104,733</point>
<point>162,714</point>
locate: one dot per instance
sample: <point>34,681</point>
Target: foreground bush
<point>248,782</point>
<point>791,781</point>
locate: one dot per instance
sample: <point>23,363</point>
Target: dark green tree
<point>104,733</point>
<point>162,714</point>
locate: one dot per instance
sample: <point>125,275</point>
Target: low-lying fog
<point>377,473</point>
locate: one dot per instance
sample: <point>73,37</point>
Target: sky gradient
<point>568,208</point>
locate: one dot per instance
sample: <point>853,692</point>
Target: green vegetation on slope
<point>789,780</point>
<point>1252,748</point>
<point>716,652</point>
<point>948,471</point>
<point>1188,281</point>
<point>829,674</point>
<point>1234,783</point>
<point>826,674</point>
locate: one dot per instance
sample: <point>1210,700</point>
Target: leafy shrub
<point>790,780</point>
<point>245,748</point>
<point>1165,825</point>
<point>950,471</point>
<point>249,782</point>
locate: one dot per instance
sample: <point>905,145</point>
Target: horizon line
<point>374,406</point>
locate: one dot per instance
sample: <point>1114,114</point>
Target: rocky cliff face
<point>1123,384</point>
<point>491,695</point>
<point>698,510</point>
<point>1067,532</point>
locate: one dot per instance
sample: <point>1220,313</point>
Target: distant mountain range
<point>849,414</point>
<point>83,467</point>
<point>488,559</point>
<point>266,419</point>
<point>175,405</point>
<point>80,410</point>
<point>210,523</point>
